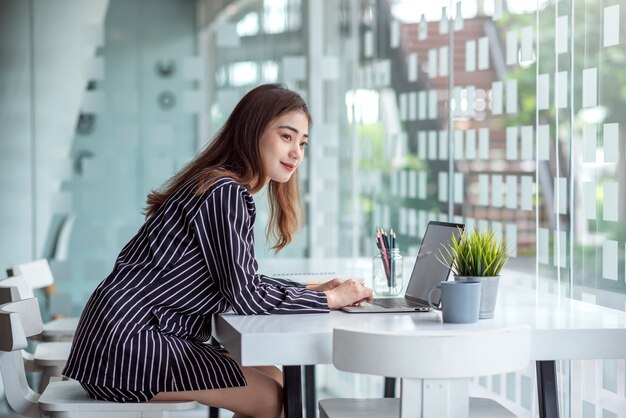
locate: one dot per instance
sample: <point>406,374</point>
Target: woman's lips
<point>289,167</point>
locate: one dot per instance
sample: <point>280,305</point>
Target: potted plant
<point>478,256</point>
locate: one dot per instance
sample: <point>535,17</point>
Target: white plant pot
<point>488,293</point>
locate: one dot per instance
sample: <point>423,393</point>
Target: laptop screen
<point>428,271</point>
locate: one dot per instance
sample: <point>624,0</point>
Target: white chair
<point>435,368</point>
<point>37,274</point>
<point>49,358</point>
<point>19,320</point>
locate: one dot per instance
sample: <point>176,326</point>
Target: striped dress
<point>146,325</point>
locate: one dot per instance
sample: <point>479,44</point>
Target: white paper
<point>496,98</point>
<point>511,142</point>
<point>511,192</point>
<point>526,53</point>
<point>609,260</point>
<point>543,246</point>
<point>590,200</point>
<point>527,142</point>
<point>611,142</point>
<point>412,105</point>
<point>483,143</point>
<point>497,190</point>
<point>511,47</point>
<point>421,145</point>
<point>443,61</point>
<point>561,89</point>
<point>543,91</point>
<point>470,56</point>
<point>543,142</point>
<point>561,40</point>
<point>394,40</point>
<point>458,188</point>
<point>590,87</point>
<point>432,63</point>
<point>483,189</point>
<point>422,107</point>
<point>432,104</point>
<point>511,96</point>
<point>470,149</point>
<point>443,145</point>
<point>432,145</point>
<point>560,193</point>
<point>443,186</point>
<point>483,53</point>
<point>412,67</point>
<point>423,29</point>
<point>421,190</point>
<point>511,239</point>
<point>609,212</point>
<point>611,25</point>
<point>590,143</point>
<point>458,144</point>
<point>526,194</point>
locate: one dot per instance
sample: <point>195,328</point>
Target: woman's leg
<point>273,372</point>
<point>261,398</point>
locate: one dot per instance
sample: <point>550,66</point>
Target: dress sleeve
<point>224,227</point>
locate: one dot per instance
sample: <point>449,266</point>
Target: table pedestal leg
<point>292,391</point>
<point>390,387</point>
<point>546,386</point>
<point>310,400</point>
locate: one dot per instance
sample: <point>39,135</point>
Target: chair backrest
<point>18,320</point>
<point>14,288</point>
<point>432,354</point>
<point>37,274</point>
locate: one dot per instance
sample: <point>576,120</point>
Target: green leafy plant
<point>475,254</point>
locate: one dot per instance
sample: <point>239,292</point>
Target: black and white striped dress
<point>145,326</point>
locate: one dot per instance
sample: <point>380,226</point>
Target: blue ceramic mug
<point>460,301</point>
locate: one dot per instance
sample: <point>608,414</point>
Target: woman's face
<point>282,146</point>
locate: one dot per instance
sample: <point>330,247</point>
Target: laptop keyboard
<point>392,303</point>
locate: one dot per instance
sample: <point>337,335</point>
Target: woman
<point>142,333</point>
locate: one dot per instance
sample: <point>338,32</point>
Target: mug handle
<point>430,295</point>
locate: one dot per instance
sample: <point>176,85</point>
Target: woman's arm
<point>225,233</point>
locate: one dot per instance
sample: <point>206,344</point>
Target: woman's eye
<point>303,145</point>
<point>287,137</point>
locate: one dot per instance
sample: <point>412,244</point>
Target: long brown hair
<point>234,152</point>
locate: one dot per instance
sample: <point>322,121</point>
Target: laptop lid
<point>428,271</point>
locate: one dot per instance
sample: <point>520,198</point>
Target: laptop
<point>427,273</point>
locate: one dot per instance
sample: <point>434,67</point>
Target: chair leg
<point>214,412</point>
<point>390,387</point>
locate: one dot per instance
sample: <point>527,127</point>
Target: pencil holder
<point>387,272</point>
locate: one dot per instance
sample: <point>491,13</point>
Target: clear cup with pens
<point>387,265</point>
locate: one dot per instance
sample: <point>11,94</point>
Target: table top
<point>562,328</point>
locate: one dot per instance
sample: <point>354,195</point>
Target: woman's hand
<point>348,293</point>
<point>329,285</point>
